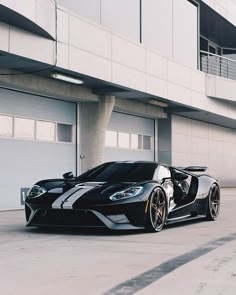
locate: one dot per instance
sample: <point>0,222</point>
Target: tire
<point>213,205</point>
<point>157,211</point>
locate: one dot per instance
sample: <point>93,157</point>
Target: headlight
<point>36,191</point>
<point>128,193</point>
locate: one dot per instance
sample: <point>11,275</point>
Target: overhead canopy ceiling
<point>26,66</point>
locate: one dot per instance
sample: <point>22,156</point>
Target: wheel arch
<point>209,215</point>
<point>147,213</point>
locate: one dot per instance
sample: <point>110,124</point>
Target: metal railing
<point>217,65</point>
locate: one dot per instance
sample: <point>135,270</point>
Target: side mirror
<point>68,176</point>
<point>179,176</point>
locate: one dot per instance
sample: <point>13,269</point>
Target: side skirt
<point>184,218</point>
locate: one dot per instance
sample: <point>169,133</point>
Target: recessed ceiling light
<point>158,103</point>
<point>68,79</point>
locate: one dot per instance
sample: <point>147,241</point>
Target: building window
<point>123,140</point>
<point>64,132</point>
<point>136,141</point>
<point>128,140</point>
<point>45,130</point>
<point>111,138</point>
<point>147,142</point>
<point>6,126</point>
<point>24,128</point>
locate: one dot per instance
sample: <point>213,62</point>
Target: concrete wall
<point>145,23</point>
<point>41,12</point>
<point>171,28</point>
<point>185,33</point>
<point>199,143</point>
<point>26,44</point>
<point>90,9</point>
<point>122,17</point>
<point>157,15</point>
<point>115,59</point>
<point>124,62</point>
<point>109,14</point>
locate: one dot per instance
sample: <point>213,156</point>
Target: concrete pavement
<point>214,273</point>
<point>99,262</point>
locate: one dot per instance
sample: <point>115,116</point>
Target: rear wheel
<point>157,211</point>
<point>213,207</point>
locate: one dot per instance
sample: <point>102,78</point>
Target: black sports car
<point>124,195</point>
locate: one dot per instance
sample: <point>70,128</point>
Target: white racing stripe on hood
<point>68,204</point>
<point>59,201</point>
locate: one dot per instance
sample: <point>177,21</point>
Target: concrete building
<point>158,84</point>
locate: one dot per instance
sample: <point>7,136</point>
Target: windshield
<point>120,172</point>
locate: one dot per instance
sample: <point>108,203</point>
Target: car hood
<point>98,193</point>
<point>79,194</point>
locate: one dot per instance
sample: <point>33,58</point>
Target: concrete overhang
<point>221,88</point>
<point>16,19</point>
<point>22,65</point>
<point>35,77</point>
<point>209,117</point>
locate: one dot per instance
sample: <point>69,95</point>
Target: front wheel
<point>157,211</point>
<point>213,206</point>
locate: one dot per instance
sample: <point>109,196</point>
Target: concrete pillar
<point>93,120</point>
<point>164,141</point>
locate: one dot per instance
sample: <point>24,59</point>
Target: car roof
<point>142,162</point>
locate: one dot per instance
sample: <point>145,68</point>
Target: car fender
<point>204,184</point>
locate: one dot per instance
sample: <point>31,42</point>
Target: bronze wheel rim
<point>158,210</point>
<point>214,202</point>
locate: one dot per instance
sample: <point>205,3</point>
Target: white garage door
<point>129,137</point>
<point>36,142</point>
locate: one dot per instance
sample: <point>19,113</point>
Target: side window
<point>6,126</point>
<point>45,130</point>
<point>111,138</point>
<point>162,172</point>
<point>119,139</point>
<point>24,128</point>
<point>64,132</point>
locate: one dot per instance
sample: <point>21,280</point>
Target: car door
<point>163,176</point>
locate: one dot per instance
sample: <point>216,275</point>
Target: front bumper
<point>131,217</point>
